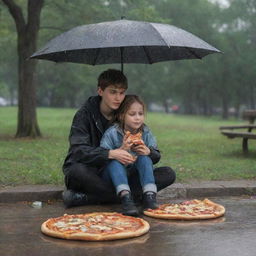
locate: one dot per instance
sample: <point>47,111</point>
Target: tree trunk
<point>27,33</point>
<point>27,119</point>
<point>166,106</point>
<point>225,114</point>
<point>252,97</point>
<point>237,110</point>
<point>205,108</point>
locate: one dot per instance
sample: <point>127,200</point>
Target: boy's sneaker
<point>72,198</point>
<point>128,205</point>
<point>149,201</point>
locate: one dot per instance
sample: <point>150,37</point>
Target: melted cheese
<point>60,224</point>
<point>76,221</point>
<point>100,227</point>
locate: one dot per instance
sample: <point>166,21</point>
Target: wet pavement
<point>233,234</point>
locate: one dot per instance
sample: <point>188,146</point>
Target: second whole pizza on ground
<point>188,210</point>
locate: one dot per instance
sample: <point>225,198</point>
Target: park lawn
<point>191,145</point>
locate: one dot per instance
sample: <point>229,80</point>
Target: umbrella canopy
<point>124,41</point>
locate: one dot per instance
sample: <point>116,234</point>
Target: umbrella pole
<point>122,61</point>
<point>122,50</point>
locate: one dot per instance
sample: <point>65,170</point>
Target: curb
<point>175,191</point>
<point>30,193</point>
<point>209,189</point>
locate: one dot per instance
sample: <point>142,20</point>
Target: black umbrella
<point>124,41</point>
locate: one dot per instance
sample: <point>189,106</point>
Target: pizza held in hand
<point>96,226</point>
<point>188,210</point>
<point>136,139</point>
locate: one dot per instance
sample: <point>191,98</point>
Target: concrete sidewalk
<point>176,191</point>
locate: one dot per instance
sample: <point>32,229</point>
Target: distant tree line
<point>205,87</point>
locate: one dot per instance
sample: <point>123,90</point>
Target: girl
<point>130,117</point>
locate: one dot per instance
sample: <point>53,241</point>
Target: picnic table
<point>250,115</point>
<point>228,131</point>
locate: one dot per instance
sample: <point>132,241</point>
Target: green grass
<point>192,146</point>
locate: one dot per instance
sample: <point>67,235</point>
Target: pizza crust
<point>219,211</point>
<point>143,228</point>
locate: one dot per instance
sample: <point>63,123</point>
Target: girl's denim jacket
<point>113,138</point>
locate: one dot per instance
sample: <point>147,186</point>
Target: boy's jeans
<point>116,173</point>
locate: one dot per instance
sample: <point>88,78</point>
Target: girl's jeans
<point>116,173</point>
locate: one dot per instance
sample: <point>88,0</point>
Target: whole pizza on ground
<point>188,210</point>
<point>95,226</point>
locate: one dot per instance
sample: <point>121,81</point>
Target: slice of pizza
<point>136,139</point>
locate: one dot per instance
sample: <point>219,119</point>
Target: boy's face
<point>112,97</point>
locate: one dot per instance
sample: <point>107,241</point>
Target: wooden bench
<point>246,135</point>
<point>249,115</point>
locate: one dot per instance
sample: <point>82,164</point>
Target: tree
<point>27,33</point>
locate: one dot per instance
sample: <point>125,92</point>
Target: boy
<point>86,159</point>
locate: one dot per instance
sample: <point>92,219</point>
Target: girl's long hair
<point>119,115</point>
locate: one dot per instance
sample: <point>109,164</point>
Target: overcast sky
<point>224,3</point>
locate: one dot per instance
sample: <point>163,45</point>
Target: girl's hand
<point>127,143</point>
<point>141,149</point>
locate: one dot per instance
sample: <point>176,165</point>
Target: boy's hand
<point>141,149</point>
<point>122,156</point>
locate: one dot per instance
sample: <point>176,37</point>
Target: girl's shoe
<point>149,201</point>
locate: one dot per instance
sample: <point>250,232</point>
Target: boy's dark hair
<point>112,77</point>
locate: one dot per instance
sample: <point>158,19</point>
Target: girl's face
<point>134,117</point>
